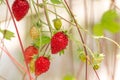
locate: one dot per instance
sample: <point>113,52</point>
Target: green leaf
<point>108,16</point>
<point>97,58</point>
<point>1,1</point>
<point>113,27</point>
<point>69,77</point>
<point>56,1</point>
<point>109,21</point>
<point>98,30</point>
<point>43,40</point>
<point>61,52</point>
<point>7,34</point>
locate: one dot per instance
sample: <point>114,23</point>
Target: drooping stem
<point>68,21</point>
<point>82,40</point>
<point>77,26</point>
<point>47,16</point>
<point>46,49</point>
<point>21,45</point>
<point>85,36</point>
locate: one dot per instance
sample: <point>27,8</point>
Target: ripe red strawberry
<point>59,42</point>
<point>30,52</point>
<point>20,9</point>
<point>41,65</point>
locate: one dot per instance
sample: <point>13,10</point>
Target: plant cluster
<point>37,55</point>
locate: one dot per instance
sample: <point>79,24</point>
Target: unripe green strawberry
<point>34,32</point>
<point>82,56</point>
<point>57,23</point>
<point>96,66</point>
<point>32,66</point>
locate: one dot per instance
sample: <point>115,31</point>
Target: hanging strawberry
<point>57,23</point>
<point>20,9</point>
<point>59,42</point>
<point>34,32</point>
<point>41,65</point>
<point>30,52</point>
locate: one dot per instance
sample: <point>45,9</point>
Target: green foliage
<point>43,40</point>
<point>96,60</point>
<point>7,34</point>
<point>109,16</point>
<point>69,77</point>
<point>1,1</point>
<point>108,22</point>
<point>82,55</point>
<point>98,30</point>
<point>56,1</point>
<point>61,52</point>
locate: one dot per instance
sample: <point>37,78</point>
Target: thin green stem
<point>91,52</point>
<point>68,21</point>
<point>111,41</point>
<point>33,3</point>
<point>67,10</point>
<point>47,16</point>
<point>55,11</point>
<point>46,49</point>
<point>31,11</point>
<point>77,26</point>
<point>55,5</point>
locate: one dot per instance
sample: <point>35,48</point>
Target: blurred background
<point>87,13</point>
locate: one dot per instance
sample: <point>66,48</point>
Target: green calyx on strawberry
<point>29,53</point>
<point>42,65</point>
<point>59,41</point>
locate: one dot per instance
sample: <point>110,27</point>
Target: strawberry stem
<point>46,49</point>
<point>35,77</point>
<point>21,45</point>
<point>77,26</point>
<point>47,16</point>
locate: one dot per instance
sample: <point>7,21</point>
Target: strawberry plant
<point>91,45</point>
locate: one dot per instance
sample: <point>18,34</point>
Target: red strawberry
<point>59,42</point>
<point>30,52</point>
<point>41,65</point>
<point>20,9</point>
